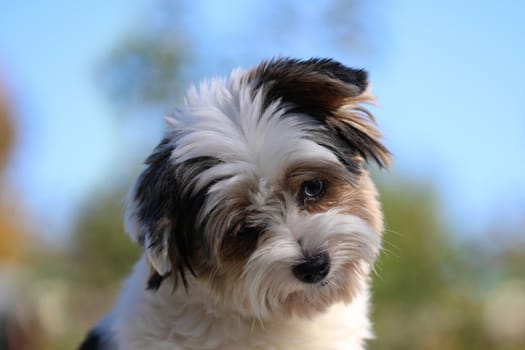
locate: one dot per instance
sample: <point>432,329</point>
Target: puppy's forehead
<point>227,119</point>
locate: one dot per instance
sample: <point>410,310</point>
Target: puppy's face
<point>258,192</point>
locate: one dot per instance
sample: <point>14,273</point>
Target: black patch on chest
<point>93,341</point>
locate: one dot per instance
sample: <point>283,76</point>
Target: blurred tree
<point>149,66</point>
<point>12,240</point>
<point>422,298</point>
<point>100,257</point>
<point>511,258</point>
<point>143,70</point>
<point>6,127</point>
<point>147,72</point>
<point>102,253</point>
<point>19,323</point>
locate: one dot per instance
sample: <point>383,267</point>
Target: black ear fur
<point>314,84</point>
<point>329,92</point>
<point>167,208</point>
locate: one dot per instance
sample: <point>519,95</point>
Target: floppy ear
<point>154,241</point>
<point>162,213</point>
<point>146,217</point>
<point>163,209</point>
<point>331,93</point>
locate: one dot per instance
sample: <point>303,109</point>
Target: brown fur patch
<point>365,134</point>
<point>231,246</point>
<point>358,199</point>
<point>353,194</point>
<point>223,279</point>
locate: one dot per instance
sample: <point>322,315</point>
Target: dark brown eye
<point>250,231</point>
<point>313,189</point>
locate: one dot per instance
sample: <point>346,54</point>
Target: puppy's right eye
<point>312,189</point>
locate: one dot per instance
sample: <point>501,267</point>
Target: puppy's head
<point>259,193</point>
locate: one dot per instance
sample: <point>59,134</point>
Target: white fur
<point>222,120</point>
<point>268,278</point>
<point>167,320</point>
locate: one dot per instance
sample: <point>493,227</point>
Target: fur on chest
<point>180,320</point>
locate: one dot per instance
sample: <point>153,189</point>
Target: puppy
<point>258,220</point>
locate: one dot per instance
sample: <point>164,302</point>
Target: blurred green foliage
<point>144,70</point>
<point>101,253</point>
<point>6,127</point>
<point>419,301</point>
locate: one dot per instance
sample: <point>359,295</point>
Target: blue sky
<point>448,75</point>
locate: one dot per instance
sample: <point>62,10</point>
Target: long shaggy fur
<point>256,177</point>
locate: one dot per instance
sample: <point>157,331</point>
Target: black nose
<point>313,269</point>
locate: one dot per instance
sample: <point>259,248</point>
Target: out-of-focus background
<point>84,86</point>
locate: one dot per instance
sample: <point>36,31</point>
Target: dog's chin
<point>315,299</point>
<point>284,297</point>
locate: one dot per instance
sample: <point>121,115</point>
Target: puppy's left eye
<point>313,189</point>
